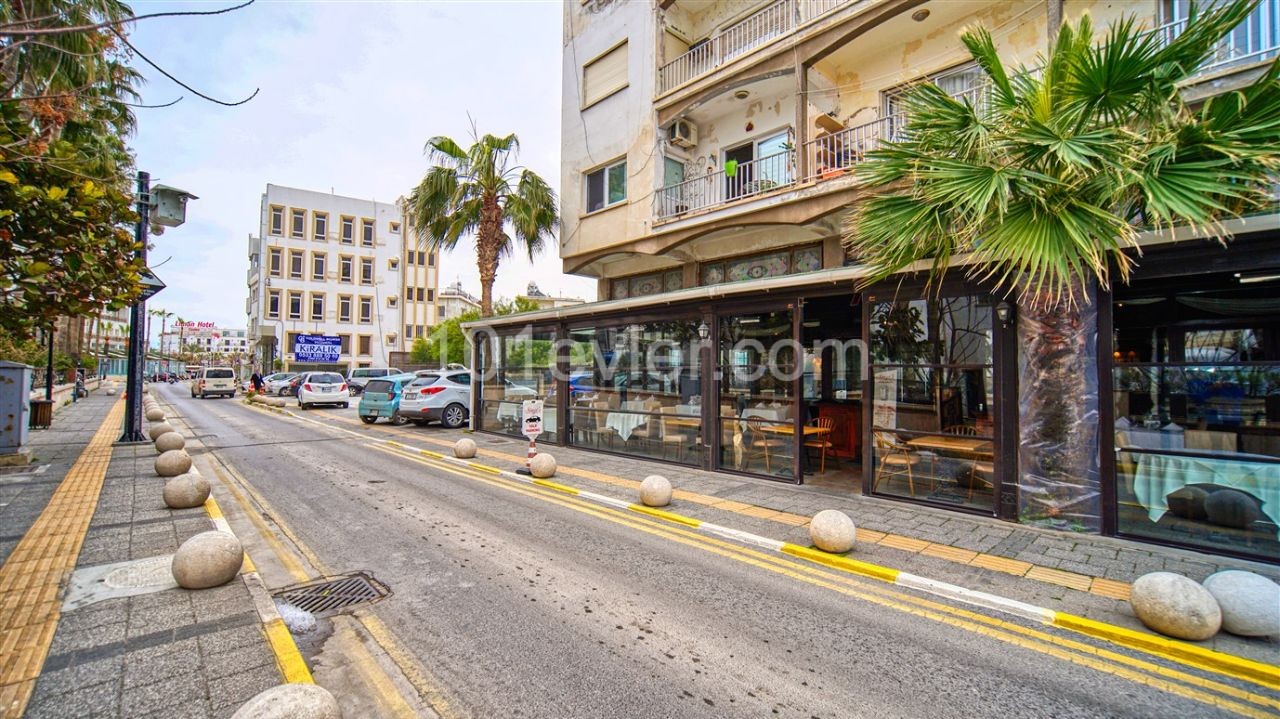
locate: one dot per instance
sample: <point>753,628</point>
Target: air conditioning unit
<point>683,133</point>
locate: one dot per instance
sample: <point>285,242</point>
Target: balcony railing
<point>1255,39</point>
<point>773,21</point>
<point>746,179</point>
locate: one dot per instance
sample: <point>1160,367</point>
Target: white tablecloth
<point>624,423</point>
<point>1159,474</point>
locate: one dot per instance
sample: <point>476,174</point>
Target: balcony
<point>769,23</point>
<point>734,182</point>
<point>1254,40</point>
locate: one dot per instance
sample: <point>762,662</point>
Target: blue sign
<point>317,348</point>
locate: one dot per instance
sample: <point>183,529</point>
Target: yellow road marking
<point>874,571</point>
<point>556,486</point>
<point>34,570</point>
<point>288,659</point>
<point>372,674</point>
<point>1089,656</point>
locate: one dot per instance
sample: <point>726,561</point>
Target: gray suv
<point>357,377</point>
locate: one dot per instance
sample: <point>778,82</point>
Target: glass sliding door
<point>932,421</point>
<point>757,405</point>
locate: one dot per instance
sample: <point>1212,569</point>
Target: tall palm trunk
<point>488,246</point>
<point>1058,409</point>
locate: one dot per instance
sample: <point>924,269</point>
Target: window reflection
<point>757,403</point>
<point>525,369</point>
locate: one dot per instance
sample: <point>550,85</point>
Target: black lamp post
<point>137,320</point>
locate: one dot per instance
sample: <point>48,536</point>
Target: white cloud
<point>349,93</point>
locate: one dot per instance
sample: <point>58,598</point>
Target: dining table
<point>960,445</point>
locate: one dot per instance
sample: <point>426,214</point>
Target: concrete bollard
<point>291,701</point>
<point>655,491</point>
<point>1175,606</point>
<point>173,463</point>
<point>464,448</point>
<point>542,466</point>
<point>185,491</point>
<point>209,559</point>
<point>832,531</point>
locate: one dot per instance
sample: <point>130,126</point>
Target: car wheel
<point>454,416</point>
<point>302,405</point>
<point>284,392</point>
<point>368,420</point>
<point>345,405</point>
<point>398,421</point>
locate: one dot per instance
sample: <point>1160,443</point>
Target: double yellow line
<point>1174,681</point>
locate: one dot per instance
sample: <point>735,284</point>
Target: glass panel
<point>617,183</point>
<point>620,290</point>
<point>713,274</point>
<point>526,370</point>
<point>646,285</point>
<point>634,389</point>
<point>807,260</point>
<point>595,191</point>
<point>758,266</point>
<point>757,406</point>
<point>950,330</point>
<point>673,280</point>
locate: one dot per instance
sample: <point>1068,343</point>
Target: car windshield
<point>325,378</point>
<point>425,380</point>
<point>379,385</point>
<point>219,374</point>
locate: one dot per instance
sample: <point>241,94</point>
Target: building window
<point>277,220</point>
<point>420,330</point>
<point>390,339</point>
<point>273,261</point>
<point>317,306</point>
<point>366,309</point>
<point>395,227</point>
<point>296,259</point>
<point>366,232</point>
<point>604,75</point>
<point>297,223</point>
<point>364,346</point>
<point>366,270</point>
<point>320,226</point>
<point>344,308</point>
<point>607,186</point>
<point>347,231</point>
<point>408,332</point>
<point>391,301</point>
<point>273,304</point>
<point>295,305</point>
<point>345,344</point>
<point>291,340</point>
<point>318,262</point>
<point>346,268</point>
<point>431,295</point>
<point>431,259</point>
<point>393,263</point>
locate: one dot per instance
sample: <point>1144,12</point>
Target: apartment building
<point>205,338</point>
<point>341,267</point>
<point>535,296</point>
<point>455,301</point>
<point>708,149</point>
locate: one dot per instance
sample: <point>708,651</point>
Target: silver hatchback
<point>438,397</point>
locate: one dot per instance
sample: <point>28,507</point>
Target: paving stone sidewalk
<point>172,653</point>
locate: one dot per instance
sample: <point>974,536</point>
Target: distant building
<point>205,338</point>
<point>454,301</point>
<point>547,302</point>
<point>324,264</point>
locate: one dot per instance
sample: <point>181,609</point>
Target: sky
<point>349,92</point>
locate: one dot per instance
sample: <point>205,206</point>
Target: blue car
<point>381,398</point>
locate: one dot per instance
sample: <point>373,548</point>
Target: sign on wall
<point>317,348</point>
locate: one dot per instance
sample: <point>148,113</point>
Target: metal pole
<point>137,319</point>
<point>48,375</point>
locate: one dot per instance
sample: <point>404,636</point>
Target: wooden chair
<point>759,442</point>
<point>673,436</point>
<point>973,481</point>
<point>966,430</point>
<point>895,460</point>
<point>592,427</point>
<point>822,442</point>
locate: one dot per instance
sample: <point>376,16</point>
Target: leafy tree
<point>481,190</point>
<point>1047,181</point>
<point>447,342</point>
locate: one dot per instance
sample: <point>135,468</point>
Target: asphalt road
<point>524,607</point>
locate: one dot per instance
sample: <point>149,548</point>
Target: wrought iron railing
<point>734,182</point>
<point>1255,39</point>
<point>770,22</point>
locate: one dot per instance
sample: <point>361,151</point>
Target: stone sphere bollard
<point>655,491</point>
<point>832,531</point>
<point>1250,602</point>
<point>170,441</point>
<point>185,491</point>
<point>173,463</point>
<point>291,701</point>
<point>155,414</point>
<point>111,391</point>
<point>464,448</point>
<point>160,428</point>
<point>209,559</point>
<point>146,389</point>
<point>1175,606</point>
<point>542,466</point>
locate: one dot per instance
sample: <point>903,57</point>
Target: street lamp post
<point>137,318</point>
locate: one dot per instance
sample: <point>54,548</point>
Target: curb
<point>1183,652</point>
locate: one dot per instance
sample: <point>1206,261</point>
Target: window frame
<point>350,311</point>
<point>365,302</point>
<point>312,306</point>
<point>603,172</point>
<point>367,263</point>
<point>368,227</point>
<point>275,262</point>
<point>301,257</point>
<point>298,213</point>
<point>323,257</point>
<point>364,345</point>
<point>345,223</point>
<point>273,296</point>
<point>347,269</point>
<point>318,233</point>
<point>275,229</point>
<point>295,295</point>
<point>605,94</point>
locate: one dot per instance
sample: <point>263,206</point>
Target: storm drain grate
<point>336,593</point>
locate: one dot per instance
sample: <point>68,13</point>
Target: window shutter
<point>605,75</point>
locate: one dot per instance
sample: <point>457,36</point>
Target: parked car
<point>214,381</point>
<point>381,398</point>
<point>321,388</point>
<point>357,378</point>
<point>280,383</point>
<point>438,397</point>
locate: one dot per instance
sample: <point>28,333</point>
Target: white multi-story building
<point>205,338</point>
<point>455,301</point>
<point>324,264</point>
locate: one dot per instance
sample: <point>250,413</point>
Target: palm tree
<point>481,190</point>
<point>1044,184</point>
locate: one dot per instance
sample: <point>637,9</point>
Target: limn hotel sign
<point>317,348</point>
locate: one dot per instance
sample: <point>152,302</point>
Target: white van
<point>214,381</point>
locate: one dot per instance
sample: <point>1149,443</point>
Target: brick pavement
<point>173,653</point>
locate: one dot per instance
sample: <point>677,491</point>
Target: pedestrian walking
<point>256,382</point>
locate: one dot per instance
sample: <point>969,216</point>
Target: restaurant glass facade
<point>1195,379</point>
<point>757,401</point>
<point>522,368</point>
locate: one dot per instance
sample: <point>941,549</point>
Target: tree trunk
<point>1058,415</point>
<point>488,247</point>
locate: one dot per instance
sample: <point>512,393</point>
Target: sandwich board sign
<point>531,426</point>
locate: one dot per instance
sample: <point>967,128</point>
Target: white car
<point>438,397</point>
<point>220,381</point>
<point>322,388</point>
<point>279,383</point>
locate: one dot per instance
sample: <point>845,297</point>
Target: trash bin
<point>41,413</point>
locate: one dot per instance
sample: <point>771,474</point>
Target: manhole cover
<point>150,572</point>
<point>89,585</point>
<point>336,593</point>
